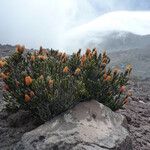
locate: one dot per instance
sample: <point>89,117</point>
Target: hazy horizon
<point>52,22</point>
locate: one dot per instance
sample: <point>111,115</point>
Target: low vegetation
<point>48,82</point>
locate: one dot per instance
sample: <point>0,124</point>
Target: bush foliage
<point>48,82</point>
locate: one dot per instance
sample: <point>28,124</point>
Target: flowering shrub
<point>48,82</point>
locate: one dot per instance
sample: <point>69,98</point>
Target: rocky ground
<point>137,112</point>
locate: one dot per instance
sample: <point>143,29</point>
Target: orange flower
<point>20,49</point>
<point>32,58</point>
<point>64,59</point>
<point>28,80</point>
<point>2,63</point>
<point>27,98</point>
<point>95,52</point>
<point>7,73</point>
<point>104,60</point>
<point>3,76</point>
<point>83,59</point>
<point>128,68</point>
<point>129,93</point>
<point>90,56</point>
<point>88,50</point>
<point>108,78</point>
<point>116,70</point>
<point>66,70</point>
<point>122,89</point>
<point>64,55</point>
<point>42,57</point>
<point>50,82</point>
<point>77,71</point>
<point>105,76</point>
<point>59,54</point>
<point>32,93</point>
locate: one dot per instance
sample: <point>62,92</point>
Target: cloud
<point>51,22</point>
<point>137,22</point>
<point>133,21</point>
<point>41,22</point>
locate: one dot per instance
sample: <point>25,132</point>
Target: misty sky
<point>46,22</point>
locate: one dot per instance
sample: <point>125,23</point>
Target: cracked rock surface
<point>88,126</point>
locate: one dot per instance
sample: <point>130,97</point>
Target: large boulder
<point>88,126</point>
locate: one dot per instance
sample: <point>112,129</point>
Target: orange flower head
<point>77,71</point>
<point>2,63</point>
<point>128,68</point>
<point>27,98</point>
<point>7,73</point>
<point>88,50</point>
<point>90,56</point>
<point>105,76</point>
<point>32,93</point>
<point>64,59</point>
<point>20,49</point>
<point>108,78</point>
<point>122,89</point>
<point>83,59</point>
<point>104,60</point>
<point>3,76</point>
<point>59,54</point>
<point>95,52</point>
<point>32,58</point>
<point>116,70</point>
<point>64,55</point>
<point>28,80</point>
<point>41,57</point>
<point>66,70</point>
<point>50,82</point>
<point>129,93</point>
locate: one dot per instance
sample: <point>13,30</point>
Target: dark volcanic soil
<point>137,112</point>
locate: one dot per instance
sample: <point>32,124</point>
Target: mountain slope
<point>131,27</point>
<point>109,40</point>
<point>121,40</point>
<point>138,58</point>
<point>6,50</point>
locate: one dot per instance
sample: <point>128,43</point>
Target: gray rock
<point>88,126</point>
